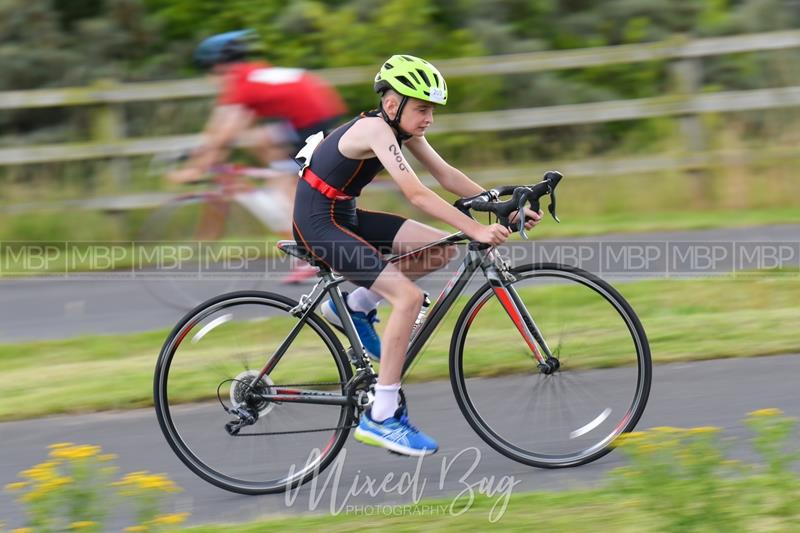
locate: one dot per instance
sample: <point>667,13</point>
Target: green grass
<point>684,319</point>
<point>586,225</point>
<point>577,511</point>
<point>572,511</point>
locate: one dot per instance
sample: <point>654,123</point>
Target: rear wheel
<point>210,404</point>
<point>595,389</point>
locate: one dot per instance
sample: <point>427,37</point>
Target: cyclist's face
<point>417,117</point>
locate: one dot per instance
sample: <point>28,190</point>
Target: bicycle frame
<point>478,256</point>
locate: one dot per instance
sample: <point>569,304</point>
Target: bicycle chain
<point>294,432</point>
<point>261,434</point>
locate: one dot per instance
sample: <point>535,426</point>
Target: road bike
<point>549,364</point>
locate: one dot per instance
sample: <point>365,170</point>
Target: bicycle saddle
<point>298,251</point>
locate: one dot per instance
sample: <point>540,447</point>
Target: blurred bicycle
<point>230,207</point>
<point>269,110</point>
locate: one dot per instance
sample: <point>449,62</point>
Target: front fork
<point>496,269</point>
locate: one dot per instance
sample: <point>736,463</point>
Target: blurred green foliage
<point>47,43</point>
<point>58,42</point>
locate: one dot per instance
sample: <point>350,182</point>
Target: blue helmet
<point>224,48</point>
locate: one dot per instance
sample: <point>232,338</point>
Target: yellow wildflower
<point>170,519</point>
<point>666,429</point>
<point>60,445</point>
<point>704,429</point>
<point>771,411</point>
<point>629,438</point>
<point>82,524</point>
<point>145,481</point>
<point>134,529</point>
<point>41,472</point>
<point>75,452</point>
<point>19,485</point>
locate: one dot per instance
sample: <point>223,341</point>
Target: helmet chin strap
<point>395,122</point>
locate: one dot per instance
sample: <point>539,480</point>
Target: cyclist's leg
<point>385,424</point>
<point>406,299</point>
<point>331,231</point>
<point>395,234</point>
<point>414,234</point>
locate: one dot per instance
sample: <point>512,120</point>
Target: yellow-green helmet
<point>413,77</point>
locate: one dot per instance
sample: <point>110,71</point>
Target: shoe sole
<point>371,439</point>
<point>331,316</point>
<point>334,320</point>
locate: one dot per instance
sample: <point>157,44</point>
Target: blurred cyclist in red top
<point>252,90</point>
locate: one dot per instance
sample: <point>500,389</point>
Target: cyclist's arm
<point>225,123</point>
<point>379,138</point>
<point>451,178</point>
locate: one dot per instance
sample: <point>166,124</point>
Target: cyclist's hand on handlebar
<point>531,218</point>
<point>185,175</point>
<point>494,234</point>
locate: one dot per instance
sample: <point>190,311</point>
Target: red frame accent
<point>511,309</point>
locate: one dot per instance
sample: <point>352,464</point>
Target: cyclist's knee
<point>403,295</point>
<point>409,300</point>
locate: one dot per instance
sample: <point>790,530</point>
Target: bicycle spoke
<point>281,433</point>
<point>597,390</point>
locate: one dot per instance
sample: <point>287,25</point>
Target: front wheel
<point>569,413</point>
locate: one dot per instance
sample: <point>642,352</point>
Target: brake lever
<point>553,177</point>
<point>552,206</point>
<point>521,216</point>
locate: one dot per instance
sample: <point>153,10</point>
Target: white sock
<point>387,400</point>
<point>363,300</point>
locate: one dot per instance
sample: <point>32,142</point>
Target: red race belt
<point>326,190</point>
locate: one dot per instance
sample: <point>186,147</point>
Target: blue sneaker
<point>363,323</point>
<point>395,434</point>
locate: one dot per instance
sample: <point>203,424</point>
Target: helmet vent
<point>411,73</point>
<point>388,66</point>
<point>404,81</point>
<point>424,76</point>
<point>435,79</point>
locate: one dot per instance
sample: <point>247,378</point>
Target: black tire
<point>173,268</point>
<point>202,365</point>
<point>548,431</point>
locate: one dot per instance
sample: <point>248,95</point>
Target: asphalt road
<point>718,393</point>
<point>75,304</point>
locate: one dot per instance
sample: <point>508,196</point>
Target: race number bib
<point>305,153</point>
<point>275,75</point>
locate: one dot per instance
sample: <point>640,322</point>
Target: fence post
<point>687,80</point>
<point>108,126</point>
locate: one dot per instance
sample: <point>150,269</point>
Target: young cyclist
<point>253,91</point>
<point>352,241</point>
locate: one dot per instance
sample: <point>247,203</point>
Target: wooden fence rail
<point>104,99</point>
